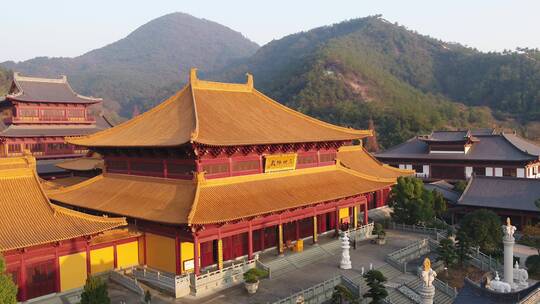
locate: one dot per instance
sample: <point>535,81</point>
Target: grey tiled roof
<point>48,166</point>
<point>46,90</point>
<point>489,147</point>
<point>33,130</point>
<point>450,195</point>
<point>502,192</point>
<point>448,135</point>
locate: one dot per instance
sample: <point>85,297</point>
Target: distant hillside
<point>408,83</point>
<point>131,70</point>
<point>5,80</point>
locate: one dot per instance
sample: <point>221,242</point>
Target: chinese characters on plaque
<point>280,162</point>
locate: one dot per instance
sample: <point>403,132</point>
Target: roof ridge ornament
<point>193,76</point>
<point>249,81</point>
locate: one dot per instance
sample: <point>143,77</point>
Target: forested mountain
<point>408,83</point>
<point>346,73</point>
<point>132,70</point>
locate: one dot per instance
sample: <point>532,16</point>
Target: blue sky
<point>30,28</point>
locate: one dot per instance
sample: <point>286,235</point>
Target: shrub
<point>95,292</point>
<point>8,289</point>
<point>533,264</point>
<point>377,292</point>
<point>254,274</point>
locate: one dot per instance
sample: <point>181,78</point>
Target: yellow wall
<point>187,253</point>
<point>160,252</point>
<point>102,259</point>
<point>343,212</point>
<point>127,254</point>
<point>72,271</point>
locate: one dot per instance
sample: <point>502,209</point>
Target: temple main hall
<point>219,171</point>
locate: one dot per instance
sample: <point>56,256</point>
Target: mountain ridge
<point>348,73</point>
<point>156,53</point>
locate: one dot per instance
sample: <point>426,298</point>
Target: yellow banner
<point>280,162</point>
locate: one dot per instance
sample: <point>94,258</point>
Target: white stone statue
<point>428,275</point>
<point>426,291</point>
<point>345,256</point>
<point>498,285</point>
<point>521,276</point>
<point>508,230</point>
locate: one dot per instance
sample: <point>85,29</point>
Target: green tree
<point>95,292</point>
<point>342,295</point>
<point>483,227</point>
<point>412,204</point>
<point>439,204</point>
<point>8,289</point>
<point>463,247</point>
<point>377,292</point>
<point>532,235</point>
<point>460,186</point>
<point>447,252</point>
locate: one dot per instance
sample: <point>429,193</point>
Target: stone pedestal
<point>427,294</point>
<point>508,243</point>
<point>508,275</point>
<point>345,256</point>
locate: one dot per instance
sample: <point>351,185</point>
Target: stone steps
<point>440,297</point>
<point>389,271</point>
<point>396,297</point>
<point>307,257</point>
<point>279,266</point>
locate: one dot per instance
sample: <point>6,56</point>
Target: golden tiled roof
<point>220,114</point>
<point>360,160</point>
<point>62,182</point>
<point>81,164</point>
<point>27,218</point>
<point>216,200</point>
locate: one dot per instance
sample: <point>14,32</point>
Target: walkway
<point>299,273</point>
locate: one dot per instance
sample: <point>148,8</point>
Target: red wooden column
<point>23,278</point>
<point>315,229</point>
<point>196,254</point>
<point>177,255</point>
<point>297,227</point>
<point>144,248</point>
<point>250,242</point>
<point>115,256</point>
<point>262,239</point>
<point>365,213</point>
<point>57,286</point>
<point>337,221</point>
<point>88,265</point>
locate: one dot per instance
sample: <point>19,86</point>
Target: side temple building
<point>38,113</point>
<point>220,171</point>
<point>457,155</point>
<point>49,248</point>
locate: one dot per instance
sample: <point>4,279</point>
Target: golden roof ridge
<point>278,105</point>
<point>128,123</point>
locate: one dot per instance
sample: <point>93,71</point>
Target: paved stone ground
<point>274,289</point>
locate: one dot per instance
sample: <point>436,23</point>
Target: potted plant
<point>381,234</point>
<point>251,279</point>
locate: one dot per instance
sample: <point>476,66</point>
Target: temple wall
<point>186,255</point>
<point>101,260</point>
<point>72,271</point>
<point>127,254</point>
<point>160,252</point>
